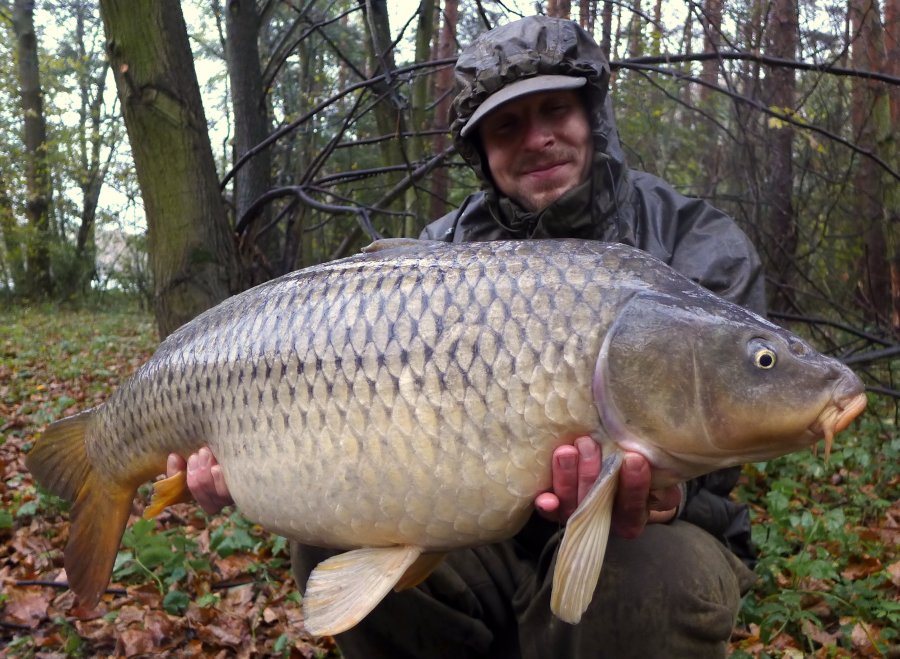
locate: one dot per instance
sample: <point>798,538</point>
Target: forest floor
<point>188,584</point>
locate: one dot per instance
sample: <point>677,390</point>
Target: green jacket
<point>616,204</point>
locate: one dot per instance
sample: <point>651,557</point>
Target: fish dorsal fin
<point>392,243</point>
<point>583,545</point>
<point>167,492</point>
<point>342,590</point>
<point>420,570</point>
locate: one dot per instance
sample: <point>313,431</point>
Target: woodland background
<point>146,157</point>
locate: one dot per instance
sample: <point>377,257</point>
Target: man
<point>533,119</point>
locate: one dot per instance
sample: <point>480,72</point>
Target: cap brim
<point>518,89</point>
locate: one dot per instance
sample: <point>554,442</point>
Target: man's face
<point>538,147</point>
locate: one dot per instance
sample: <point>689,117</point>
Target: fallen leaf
<point>861,567</point>
<point>136,641</point>
<point>894,571</point>
<point>26,606</point>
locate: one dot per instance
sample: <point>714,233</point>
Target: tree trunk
<point>584,14</point>
<point>892,62</point>
<point>781,226</point>
<point>712,39</point>
<point>415,207</point>
<point>91,72</point>
<point>870,117</point>
<point>389,109</point>
<point>559,8</point>
<point>635,31</point>
<point>15,264</point>
<point>251,126</point>
<point>443,93</point>
<point>712,31</point>
<point>38,279</point>
<point>606,30</point>
<point>191,250</point>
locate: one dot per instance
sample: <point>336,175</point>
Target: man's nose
<point>538,133</point>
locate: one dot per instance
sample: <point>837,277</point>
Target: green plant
<point>822,557</point>
<point>164,557</point>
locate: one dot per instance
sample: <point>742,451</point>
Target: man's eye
<point>504,127</point>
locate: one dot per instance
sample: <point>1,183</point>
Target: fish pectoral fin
<point>342,590</point>
<point>420,570</point>
<point>167,492</point>
<point>583,546</point>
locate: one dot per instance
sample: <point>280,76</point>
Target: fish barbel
<point>406,402</point>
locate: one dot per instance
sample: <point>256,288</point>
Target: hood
<point>532,46</point>
<point>528,47</point>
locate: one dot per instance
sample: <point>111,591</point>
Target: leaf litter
<point>189,585</point>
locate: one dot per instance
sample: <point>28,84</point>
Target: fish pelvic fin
<point>167,492</point>
<point>583,546</point>
<point>420,570</point>
<point>342,590</point>
<point>100,508</point>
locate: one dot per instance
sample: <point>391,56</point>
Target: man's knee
<point>674,591</point>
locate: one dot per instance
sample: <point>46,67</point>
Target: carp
<point>405,402</point>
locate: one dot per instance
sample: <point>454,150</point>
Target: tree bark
<point>870,118</point>
<point>15,264</point>
<point>190,247</point>
<point>606,30</point>
<point>443,93</point>
<point>892,62</point>
<point>781,226</point>
<point>251,126</point>
<point>38,278</point>
<point>635,31</point>
<point>559,8</point>
<point>389,114</point>
<point>415,207</point>
<point>712,30</point>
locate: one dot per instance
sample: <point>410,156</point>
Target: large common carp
<point>406,402</point>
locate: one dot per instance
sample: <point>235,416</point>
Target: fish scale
<point>406,402</point>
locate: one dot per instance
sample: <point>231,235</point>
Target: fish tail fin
<point>100,508</point>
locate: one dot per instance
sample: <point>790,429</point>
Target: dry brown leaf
<point>239,597</point>
<point>819,635</point>
<point>861,567</point>
<point>26,605</point>
<point>863,639</point>
<point>100,631</point>
<point>136,641</point>
<point>894,571</point>
<point>233,566</point>
<point>161,626</point>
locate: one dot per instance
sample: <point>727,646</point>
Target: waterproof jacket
<point>615,204</point>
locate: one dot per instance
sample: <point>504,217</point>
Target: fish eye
<point>764,358</point>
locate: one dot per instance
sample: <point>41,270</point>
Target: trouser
<point>672,592</point>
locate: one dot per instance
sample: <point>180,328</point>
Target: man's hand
<point>205,479</point>
<point>576,467</point>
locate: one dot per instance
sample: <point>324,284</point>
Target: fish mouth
<point>836,417</point>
